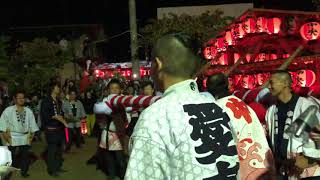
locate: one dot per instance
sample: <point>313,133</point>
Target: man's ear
<point>159,64</point>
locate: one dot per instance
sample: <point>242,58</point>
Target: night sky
<point>113,14</point>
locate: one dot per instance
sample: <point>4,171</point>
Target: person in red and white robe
<point>256,160</point>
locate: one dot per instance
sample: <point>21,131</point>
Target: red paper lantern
<point>236,57</point>
<point>306,78</point>
<point>261,25</point>
<point>248,82</point>
<point>221,44</point>
<point>229,38</point>
<point>207,53</point>
<point>84,129</point>
<point>238,31</point>
<point>273,56</point>
<point>248,57</point>
<point>310,31</point>
<point>274,25</point>
<point>261,57</point>
<point>285,56</point>
<point>249,25</point>
<point>223,60</point>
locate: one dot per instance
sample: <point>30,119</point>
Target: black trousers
<point>55,141</point>
<point>115,163</point>
<point>74,136</point>
<point>23,158</point>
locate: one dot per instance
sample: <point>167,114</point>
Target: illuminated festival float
<point>262,40</point>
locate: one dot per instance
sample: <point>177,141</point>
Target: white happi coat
<point>19,131</point>
<point>73,121</point>
<point>254,152</point>
<point>295,146</point>
<point>184,135</point>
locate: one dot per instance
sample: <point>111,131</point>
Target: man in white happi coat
<point>17,127</point>
<point>184,135</point>
<point>295,158</point>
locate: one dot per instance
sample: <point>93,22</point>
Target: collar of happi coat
<point>189,85</point>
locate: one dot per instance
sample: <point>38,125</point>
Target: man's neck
<point>19,107</point>
<point>285,96</point>
<point>169,81</point>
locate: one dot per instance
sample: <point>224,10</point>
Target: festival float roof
<point>265,38</point>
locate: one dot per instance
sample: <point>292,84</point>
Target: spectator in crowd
<point>73,112</point>
<point>17,128</point>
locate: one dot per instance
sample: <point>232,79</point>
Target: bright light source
<point>135,76</point>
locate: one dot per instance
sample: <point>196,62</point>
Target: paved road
<point>75,163</point>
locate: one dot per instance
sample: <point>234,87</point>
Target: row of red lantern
<point>250,25</point>
<point>309,31</point>
<point>124,73</point>
<point>224,58</point>
<point>301,78</point>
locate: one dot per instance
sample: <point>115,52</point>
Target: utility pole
<point>134,40</point>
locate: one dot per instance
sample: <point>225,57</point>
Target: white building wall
<point>234,10</point>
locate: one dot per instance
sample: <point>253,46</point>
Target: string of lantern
<point>251,26</point>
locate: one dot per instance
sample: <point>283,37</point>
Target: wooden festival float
<point>262,39</point>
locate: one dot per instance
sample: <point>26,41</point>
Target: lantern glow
<point>274,25</point>
<point>238,31</point>
<point>310,31</point>
<point>306,78</point>
<point>249,25</point>
<point>261,25</point>
<point>229,38</point>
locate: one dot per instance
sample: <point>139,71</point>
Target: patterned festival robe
<point>184,135</point>
<point>254,152</point>
<point>19,125</point>
<point>294,146</point>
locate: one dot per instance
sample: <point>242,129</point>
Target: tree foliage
<point>37,64</point>
<point>4,59</point>
<point>203,27</point>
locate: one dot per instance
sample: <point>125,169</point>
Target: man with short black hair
<point>148,89</point>
<point>17,128</point>
<point>295,158</point>
<point>54,124</point>
<point>184,135</point>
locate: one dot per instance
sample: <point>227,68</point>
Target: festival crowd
<point>166,127</point>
